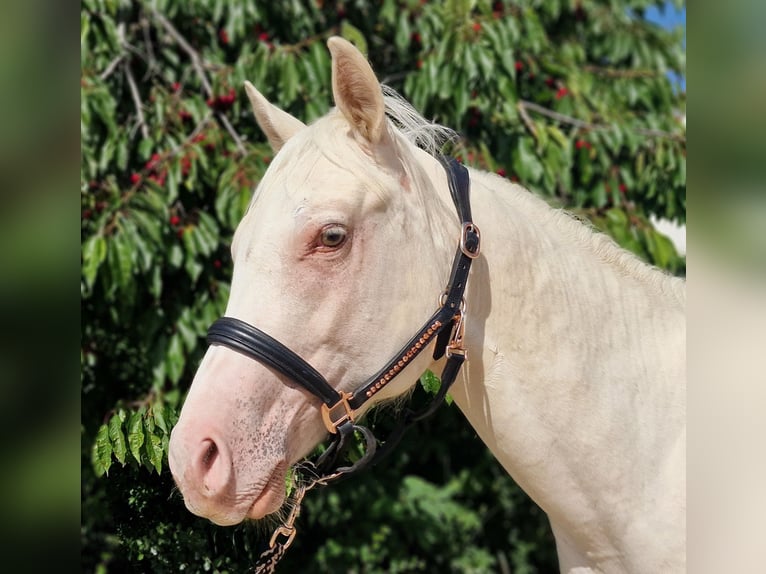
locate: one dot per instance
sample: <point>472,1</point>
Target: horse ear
<point>356,90</point>
<point>278,125</point>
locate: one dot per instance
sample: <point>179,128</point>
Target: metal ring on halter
<point>369,451</point>
<point>443,301</point>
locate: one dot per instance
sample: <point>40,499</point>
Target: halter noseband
<point>339,408</point>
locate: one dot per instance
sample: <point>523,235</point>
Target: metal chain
<point>269,558</point>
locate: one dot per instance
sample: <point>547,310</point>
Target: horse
<point>576,372</point>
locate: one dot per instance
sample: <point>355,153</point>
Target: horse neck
<point>575,378</point>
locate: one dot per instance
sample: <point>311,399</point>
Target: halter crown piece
<point>339,408</point>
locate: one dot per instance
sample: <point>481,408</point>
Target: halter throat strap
<point>445,325</point>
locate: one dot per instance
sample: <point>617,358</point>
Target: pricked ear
<point>278,125</point>
<point>356,90</point>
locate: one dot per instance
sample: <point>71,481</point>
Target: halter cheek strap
<point>445,326</point>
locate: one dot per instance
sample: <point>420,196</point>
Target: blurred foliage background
<point>571,98</point>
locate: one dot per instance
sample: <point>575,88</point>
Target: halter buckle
<point>455,345</point>
<point>332,418</point>
<point>468,230</point>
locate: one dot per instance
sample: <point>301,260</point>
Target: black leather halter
<point>339,408</point>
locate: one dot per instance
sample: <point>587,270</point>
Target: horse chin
<point>271,498</point>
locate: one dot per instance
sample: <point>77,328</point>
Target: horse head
<point>340,257</point>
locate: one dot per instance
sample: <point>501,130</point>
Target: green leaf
<point>158,412</point>
<point>120,260</point>
<point>102,451</point>
<point>117,438</point>
<point>145,148</point>
<point>353,35</point>
<point>93,254</point>
<point>175,256</point>
<point>430,382</point>
<point>153,450</point>
<point>526,163</point>
<point>175,360</point>
<point>136,434</point>
<point>403,34</point>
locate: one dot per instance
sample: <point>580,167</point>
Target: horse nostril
<point>208,459</point>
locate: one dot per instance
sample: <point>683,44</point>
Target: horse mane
<point>428,136</point>
<point>582,232</point>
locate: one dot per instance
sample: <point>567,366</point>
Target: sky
<point>670,17</point>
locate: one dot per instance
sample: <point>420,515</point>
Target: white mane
<point>426,135</point>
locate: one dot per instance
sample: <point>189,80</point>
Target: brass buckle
<point>470,228</point>
<point>455,345</point>
<point>332,418</point>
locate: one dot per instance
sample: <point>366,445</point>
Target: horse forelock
<point>428,136</point>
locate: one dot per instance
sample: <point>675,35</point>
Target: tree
<point>571,99</point>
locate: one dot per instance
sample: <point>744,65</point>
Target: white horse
<point>576,371</point>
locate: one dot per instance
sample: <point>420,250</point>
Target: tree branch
<point>616,73</point>
<point>149,47</point>
<point>543,111</point>
<point>199,69</point>
<point>136,101</point>
<point>111,67</point>
<point>186,47</point>
<point>525,118</point>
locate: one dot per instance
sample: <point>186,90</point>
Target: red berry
<point>217,263</point>
<point>416,38</point>
<point>224,36</point>
<point>514,179</point>
<point>623,188</point>
<point>135,178</point>
<point>152,163</point>
<point>549,82</point>
<point>185,115</point>
<point>519,66</point>
<point>174,220</point>
<point>476,27</point>
<point>200,137</point>
<point>263,36</point>
<point>185,165</point>
<point>562,92</point>
<point>176,86</point>
<point>87,214</point>
<point>500,172</point>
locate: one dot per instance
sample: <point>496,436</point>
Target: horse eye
<point>333,236</point>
